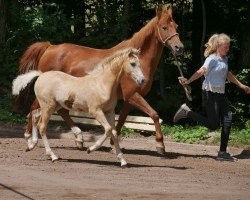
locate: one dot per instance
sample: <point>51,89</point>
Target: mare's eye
<point>165,28</point>
<point>133,64</point>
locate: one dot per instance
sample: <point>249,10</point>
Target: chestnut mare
<point>78,60</point>
<point>94,93</point>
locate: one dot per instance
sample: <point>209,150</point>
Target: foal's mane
<point>109,61</point>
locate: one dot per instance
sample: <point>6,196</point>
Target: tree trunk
<point>126,11</point>
<point>3,21</point>
<point>79,13</point>
<point>196,34</point>
<point>244,59</point>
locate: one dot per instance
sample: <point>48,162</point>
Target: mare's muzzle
<point>177,49</point>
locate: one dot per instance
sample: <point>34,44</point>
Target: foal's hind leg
<point>29,126</point>
<point>76,130</point>
<point>32,141</point>
<point>46,112</point>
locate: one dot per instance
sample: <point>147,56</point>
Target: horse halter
<point>168,38</point>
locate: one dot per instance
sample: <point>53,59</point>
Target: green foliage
<point>238,137</point>
<point>186,134</point>
<point>6,113</point>
<point>127,132</point>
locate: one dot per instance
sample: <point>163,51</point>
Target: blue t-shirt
<point>216,74</point>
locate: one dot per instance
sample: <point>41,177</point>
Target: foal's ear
<point>134,52</point>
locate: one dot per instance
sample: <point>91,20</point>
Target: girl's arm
<point>234,80</point>
<point>200,72</point>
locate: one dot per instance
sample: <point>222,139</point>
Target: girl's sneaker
<point>181,113</point>
<point>224,156</point>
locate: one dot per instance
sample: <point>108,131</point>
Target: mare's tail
<point>28,62</point>
<point>23,89</point>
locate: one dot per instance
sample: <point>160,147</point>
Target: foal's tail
<point>28,62</point>
<point>23,90</point>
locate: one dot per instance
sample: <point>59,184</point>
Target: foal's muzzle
<point>140,80</point>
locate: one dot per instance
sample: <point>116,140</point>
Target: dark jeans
<point>218,109</point>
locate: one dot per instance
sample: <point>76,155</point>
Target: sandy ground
<point>185,172</point>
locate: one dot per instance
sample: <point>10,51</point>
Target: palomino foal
<point>95,93</point>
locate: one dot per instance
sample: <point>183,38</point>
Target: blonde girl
<point>215,102</point>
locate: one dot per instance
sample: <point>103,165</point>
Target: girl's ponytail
<point>211,45</point>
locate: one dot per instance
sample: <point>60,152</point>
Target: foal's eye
<point>165,28</point>
<point>133,64</point>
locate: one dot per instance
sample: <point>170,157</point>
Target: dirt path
<point>186,172</point>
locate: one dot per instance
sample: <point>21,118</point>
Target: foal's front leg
<point>42,125</point>
<point>111,118</point>
<point>75,129</point>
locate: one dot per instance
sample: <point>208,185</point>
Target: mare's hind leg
<point>46,112</point>
<point>32,141</point>
<point>101,118</point>
<point>76,130</point>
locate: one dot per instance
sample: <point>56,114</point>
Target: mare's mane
<point>139,37</point>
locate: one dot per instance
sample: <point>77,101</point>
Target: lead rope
<point>187,88</point>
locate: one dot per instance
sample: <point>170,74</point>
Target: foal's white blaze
<point>136,72</point>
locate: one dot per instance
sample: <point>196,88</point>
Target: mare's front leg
<point>140,103</point>
<point>75,129</point>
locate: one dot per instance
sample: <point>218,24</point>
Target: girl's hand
<point>246,89</point>
<point>183,81</point>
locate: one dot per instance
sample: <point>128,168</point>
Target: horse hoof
<point>55,160</point>
<point>79,145</point>
<point>112,150</point>
<point>160,150</point>
<point>124,166</point>
<point>27,149</point>
<point>88,150</point>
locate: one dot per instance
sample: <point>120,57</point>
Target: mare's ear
<point>159,10</point>
<point>170,9</point>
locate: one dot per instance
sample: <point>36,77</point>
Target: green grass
<point>198,134</point>
<point>238,137</point>
<point>186,134</point>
